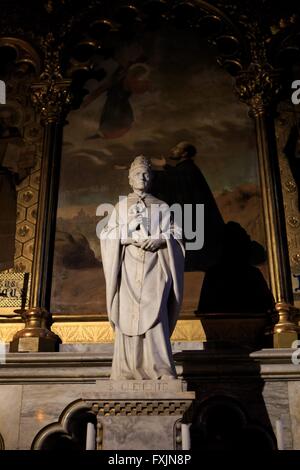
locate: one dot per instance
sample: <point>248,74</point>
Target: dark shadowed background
<point>153,94</point>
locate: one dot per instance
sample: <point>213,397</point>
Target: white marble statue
<point>143,262</point>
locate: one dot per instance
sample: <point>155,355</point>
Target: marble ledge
<point>105,351</point>
<point>200,365</point>
<point>273,355</point>
<point>70,358</point>
<point>177,346</point>
<point>104,357</point>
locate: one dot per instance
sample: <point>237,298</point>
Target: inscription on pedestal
<point>145,386</point>
<point>132,386</point>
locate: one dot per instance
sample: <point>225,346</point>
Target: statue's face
<point>140,179</point>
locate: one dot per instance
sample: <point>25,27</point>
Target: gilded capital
<point>51,96</point>
<point>258,86</point>
<point>52,99</point>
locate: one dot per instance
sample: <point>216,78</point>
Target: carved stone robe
<point>143,290</point>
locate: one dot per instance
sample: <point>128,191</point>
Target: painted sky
<point>177,92</point>
<point>187,96</point>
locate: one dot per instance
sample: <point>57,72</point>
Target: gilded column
<point>258,87</point>
<point>52,99</point>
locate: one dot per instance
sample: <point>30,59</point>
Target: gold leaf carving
<point>101,332</point>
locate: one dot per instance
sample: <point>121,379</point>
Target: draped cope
<point>143,289</point>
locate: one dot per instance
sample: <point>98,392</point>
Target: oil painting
<point>147,97</point>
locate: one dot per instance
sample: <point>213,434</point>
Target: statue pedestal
<point>141,414</point>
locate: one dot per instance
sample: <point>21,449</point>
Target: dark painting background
<point>164,89</point>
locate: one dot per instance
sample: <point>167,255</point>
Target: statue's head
<point>140,174</point>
